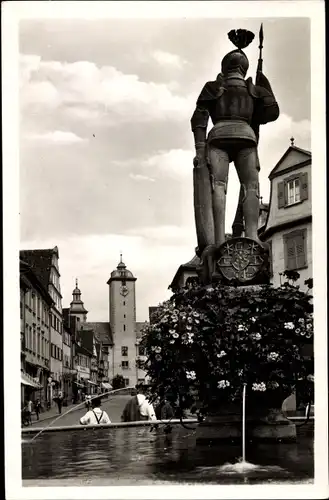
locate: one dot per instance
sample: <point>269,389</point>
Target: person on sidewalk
<point>96,415</point>
<point>59,401</point>
<point>29,410</point>
<point>37,408</point>
<point>138,408</point>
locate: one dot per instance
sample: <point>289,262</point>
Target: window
<point>38,307</point>
<point>295,249</point>
<point>124,315</point>
<point>124,350</point>
<point>39,346</point>
<point>125,365</point>
<point>293,189</point>
<point>126,382</point>
<point>124,302</point>
<point>124,328</point>
<point>21,309</point>
<point>141,351</point>
<point>34,346</point>
<point>270,257</point>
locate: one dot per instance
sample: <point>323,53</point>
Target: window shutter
<point>304,186</point>
<point>281,194</point>
<point>300,250</point>
<point>290,253</point>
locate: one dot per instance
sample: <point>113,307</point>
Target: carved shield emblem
<point>241,259</point>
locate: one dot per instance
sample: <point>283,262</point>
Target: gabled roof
<point>294,157</point>
<point>102,331</point>
<point>82,350</point>
<point>191,265</point>
<point>86,338</point>
<point>28,276</point>
<point>40,262</point>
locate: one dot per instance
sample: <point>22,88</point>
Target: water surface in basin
<point>127,456</point>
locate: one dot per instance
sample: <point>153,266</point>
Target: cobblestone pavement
<point>113,406</point>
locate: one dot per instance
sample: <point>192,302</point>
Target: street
<point>113,406</point>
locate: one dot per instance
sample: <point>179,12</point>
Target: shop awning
<point>28,380</point>
<point>106,385</point>
<point>90,382</point>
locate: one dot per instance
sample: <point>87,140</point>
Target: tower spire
<point>76,282</point>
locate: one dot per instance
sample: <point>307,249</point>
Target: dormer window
<point>293,189</point>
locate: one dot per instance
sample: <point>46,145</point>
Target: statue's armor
<point>231,114</point>
<point>235,106</point>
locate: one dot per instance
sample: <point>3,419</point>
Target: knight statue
<point>237,108</point>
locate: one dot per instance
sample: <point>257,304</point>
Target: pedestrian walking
<point>29,410</point>
<point>96,415</point>
<point>59,401</point>
<point>37,408</point>
<point>138,407</point>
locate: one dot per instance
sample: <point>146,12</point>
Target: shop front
<point>30,388</point>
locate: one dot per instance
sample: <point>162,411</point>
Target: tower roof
<point>77,305</point>
<point>121,272</point>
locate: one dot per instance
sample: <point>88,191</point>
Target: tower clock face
<point>124,291</point>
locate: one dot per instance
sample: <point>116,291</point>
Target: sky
<point>106,148</point>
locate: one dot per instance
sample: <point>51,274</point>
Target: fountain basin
<point>134,455</point>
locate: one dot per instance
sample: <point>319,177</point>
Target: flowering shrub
<point>204,344</point>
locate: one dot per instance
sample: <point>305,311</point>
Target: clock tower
<point>122,309</point>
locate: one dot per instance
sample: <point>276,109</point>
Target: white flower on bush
<point>196,314</point>
<point>172,331</point>
<point>172,341</point>
<point>240,373</point>
<point>255,336</point>
<point>221,354</point>
<point>253,319</point>
<point>190,337</point>
<point>259,387</point>
<point>188,327</point>
<point>272,356</point>
<point>242,328</point>
<point>289,325</point>
<point>190,375</point>
<point>223,383</point>
<point>157,349</point>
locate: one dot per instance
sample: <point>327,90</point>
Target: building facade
<point>35,307</point>
<point>288,228</point>
<point>44,264</point>
<point>104,346</point>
